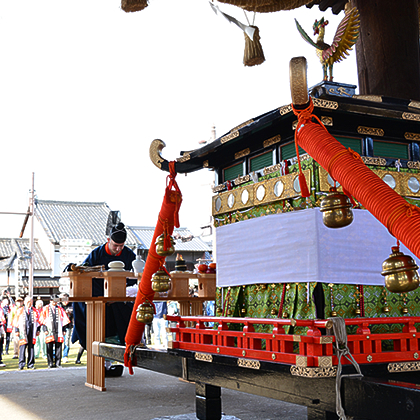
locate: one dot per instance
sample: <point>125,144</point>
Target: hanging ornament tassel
<point>253,54</point>
<point>133,5</point>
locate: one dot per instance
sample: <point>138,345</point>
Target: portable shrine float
<point>316,209</point>
<point>317,300</point>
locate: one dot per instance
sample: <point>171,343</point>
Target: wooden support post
<point>208,402</point>
<point>95,331</point>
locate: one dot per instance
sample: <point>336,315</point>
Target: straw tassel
<point>253,54</point>
<point>133,5</point>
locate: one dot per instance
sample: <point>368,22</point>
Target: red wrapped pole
<point>346,166</point>
<point>167,220</point>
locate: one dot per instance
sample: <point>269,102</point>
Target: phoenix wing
<point>306,37</point>
<point>344,38</point>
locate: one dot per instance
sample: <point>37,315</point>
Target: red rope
<point>167,219</point>
<point>345,166</point>
<point>283,295</point>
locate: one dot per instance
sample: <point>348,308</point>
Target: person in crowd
<point>12,322</point>
<point>148,331</point>
<point>5,306</point>
<point>68,308</point>
<point>159,324</point>
<point>2,336</point>
<point>40,345</point>
<point>79,355</point>
<point>118,314</point>
<point>54,319</point>
<point>26,324</point>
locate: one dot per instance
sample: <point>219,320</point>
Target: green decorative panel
<point>354,144</point>
<point>376,300</point>
<point>233,172</point>
<point>288,151</point>
<point>390,150</point>
<point>261,161</point>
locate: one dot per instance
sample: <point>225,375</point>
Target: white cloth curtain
<point>297,247</point>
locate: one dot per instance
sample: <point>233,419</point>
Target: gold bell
<point>405,310</point>
<point>285,314</point>
<point>219,311</point>
<point>161,282</point>
<point>386,309</point>
<point>400,272</point>
<point>145,312</point>
<point>273,312</point>
<point>160,248</point>
<point>358,311</point>
<point>336,209</point>
<point>333,313</point>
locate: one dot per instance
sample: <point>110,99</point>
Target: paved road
<point>61,394</point>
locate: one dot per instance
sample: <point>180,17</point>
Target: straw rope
<point>253,54</point>
<point>267,6</point>
<point>133,5</point>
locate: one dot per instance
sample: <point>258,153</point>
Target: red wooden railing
<point>311,349</point>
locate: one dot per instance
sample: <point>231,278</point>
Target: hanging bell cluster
<point>160,246</point>
<point>400,272</point>
<point>145,312</point>
<point>336,209</point>
<point>161,281</point>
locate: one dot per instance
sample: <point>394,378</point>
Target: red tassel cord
<point>168,218</point>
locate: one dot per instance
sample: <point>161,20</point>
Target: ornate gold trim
<point>401,178</point>
<point>250,364</point>
<point>371,131</point>
<point>154,152</point>
<point>271,141</point>
<point>241,125</point>
<point>285,109</point>
<point>271,169</point>
<point>218,188</point>
<point>301,361</point>
<point>342,91</point>
<point>412,136</point>
<point>242,153</point>
<point>314,372</point>
<point>203,357</point>
<point>242,179</point>
<point>297,338</point>
<point>413,164</point>
<point>373,98</point>
<point>298,80</point>
<point>325,361</point>
<point>184,157</point>
<point>327,120</point>
<point>403,367</point>
<point>326,339</point>
<point>286,191</point>
<point>374,161</point>
<point>411,117</point>
<point>414,104</point>
<point>232,135</point>
<point>323,103</point>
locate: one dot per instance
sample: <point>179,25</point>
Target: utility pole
<point>32,246</point>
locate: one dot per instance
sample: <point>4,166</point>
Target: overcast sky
<point>86,87</point>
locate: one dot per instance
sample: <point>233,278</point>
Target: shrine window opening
<point>232,172</point>
<point>288,151</point>
<point>261,161</point>
<point>354,143</point>
<point>390,150</point>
